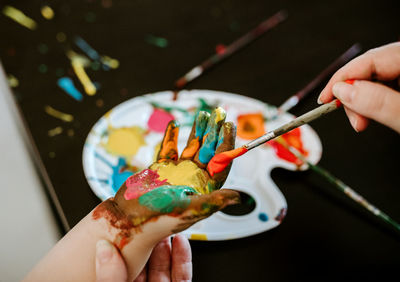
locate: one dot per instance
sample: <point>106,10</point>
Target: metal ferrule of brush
<point>261,140</point>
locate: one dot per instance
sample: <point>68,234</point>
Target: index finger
<point>181,259</point>
<point>380,63</point>
<point>160,262</point>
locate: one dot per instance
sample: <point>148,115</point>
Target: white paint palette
<point>249,174</point>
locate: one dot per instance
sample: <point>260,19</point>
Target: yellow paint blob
<point>220,114</point>
<point>112,63</point>
<point>55,131</point>
<point>201,237</point>
<point>125,141</point>
<point>19,17</point>
<point>184,173</point>
<point>12,81</point>
<point>47,12</point>
<point>57,114</point>
<point>61,37</point>
<point>79,63</point>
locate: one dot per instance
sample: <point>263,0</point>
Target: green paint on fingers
<point>165,199</point>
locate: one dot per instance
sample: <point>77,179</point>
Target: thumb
<point>371,100</point>
<point>109,264</point>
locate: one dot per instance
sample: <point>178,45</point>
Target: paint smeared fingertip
<point>175,123</point>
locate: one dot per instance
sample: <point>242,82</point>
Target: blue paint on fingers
<point>207,150</point>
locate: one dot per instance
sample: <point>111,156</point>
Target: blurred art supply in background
<point>353,51</point>
<point>12,81</point>
<point>66,84</point>
<point>61,37</point>
<point>156,41</point>
<point>47,12</point>
<point>57,114</point>
<point>79,63</point>
<point>19,17</point>
<point>232,48</point>
<point>55,131</point>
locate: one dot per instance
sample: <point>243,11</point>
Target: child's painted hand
<point>174,192</point>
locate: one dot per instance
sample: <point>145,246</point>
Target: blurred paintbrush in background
<point>231,49</point>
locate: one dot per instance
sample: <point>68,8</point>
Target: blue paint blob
<point>263,217</point>
<point>207,151</point>
<point>85,47</point>
<point>118,175</point>
<point>201,123</point>
<point>66,84</point>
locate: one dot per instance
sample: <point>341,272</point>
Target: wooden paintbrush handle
<point>303,119</point>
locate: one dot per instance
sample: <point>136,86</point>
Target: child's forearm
<point>73,257</point>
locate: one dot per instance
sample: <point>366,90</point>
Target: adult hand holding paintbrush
<point>353,87</point>
<point>368,97</point>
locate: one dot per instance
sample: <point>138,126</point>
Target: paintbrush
<point>220,161</point>
<point>303,119</point>
<point>296,98</point>
<point>341,186</point>
<point>232,48</point>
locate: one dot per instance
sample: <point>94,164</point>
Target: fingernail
<point>319,100</point>
<point>104,251</point>
<point>354,122</point>
<point>343,91</point>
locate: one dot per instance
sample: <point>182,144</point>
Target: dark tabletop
<point>325,236</point>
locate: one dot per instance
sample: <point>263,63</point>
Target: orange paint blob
<point>220,161</point>
<point>250,126</point>
<point>191,149</point>
<point>169,148</point>
<point>293,139</point>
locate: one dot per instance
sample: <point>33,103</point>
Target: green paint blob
<point>42,48</point>
<point>95,65</point>
<point>157,41</point>
<point>165,199</point>
<point>42,68</point>
<point>90,17</point>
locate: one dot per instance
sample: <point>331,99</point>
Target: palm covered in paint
<point>182,186</point>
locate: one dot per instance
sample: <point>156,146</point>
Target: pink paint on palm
<point>141,183</point>
<point>159,120</point>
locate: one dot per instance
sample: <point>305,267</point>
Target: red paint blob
<point>159,120</point>
<point>350,81</point>
<point>141,183</point>
<point>292,138</point>
<point>220,49</point>
<point>220,161</point>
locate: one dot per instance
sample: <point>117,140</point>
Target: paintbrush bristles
<point>303,119</point>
